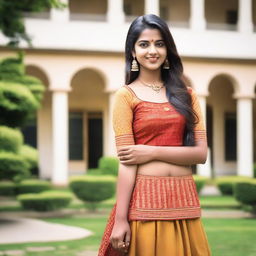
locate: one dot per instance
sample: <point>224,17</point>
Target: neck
<point>149,76</point>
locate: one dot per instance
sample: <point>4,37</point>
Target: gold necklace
<point>153,86</point>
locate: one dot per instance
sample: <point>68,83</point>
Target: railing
<point>39,15</point>
<point>87,17</point>
<point>221,26</point>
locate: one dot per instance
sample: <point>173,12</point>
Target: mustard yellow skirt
<point>184,237</point>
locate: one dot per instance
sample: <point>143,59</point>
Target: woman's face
<point>150,49</point>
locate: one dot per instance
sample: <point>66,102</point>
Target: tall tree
<point>12,17</point>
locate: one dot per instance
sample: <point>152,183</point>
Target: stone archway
<point>39,132</point>
<point>221,125</point>
<point>88,104</point>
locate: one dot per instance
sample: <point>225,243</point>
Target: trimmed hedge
<point>30,154</point>
<point>226,183</point>
<point>245,192</point>
<point>32,186</point>
<point>93,189</point>
<point>108,165</point>
<point>200,182</point>
<point>13,167</point>
<point>7,188</point>
<point>45,201</point>
<point>10,139</point>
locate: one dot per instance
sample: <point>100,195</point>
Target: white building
<point>79,55</point>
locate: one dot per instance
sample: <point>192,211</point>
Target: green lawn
<point>227,237</point>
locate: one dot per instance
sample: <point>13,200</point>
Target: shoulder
<point>123,93</point>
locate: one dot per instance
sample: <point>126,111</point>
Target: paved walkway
<point>22,230</point>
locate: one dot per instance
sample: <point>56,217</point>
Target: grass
<point>229,237</point>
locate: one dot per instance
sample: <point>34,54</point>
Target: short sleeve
<point>199,129</point>
<point>123,118</point>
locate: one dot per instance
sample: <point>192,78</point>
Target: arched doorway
<point>87,105</point>
<point>221,125</point>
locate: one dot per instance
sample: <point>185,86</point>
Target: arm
<point>180,155</point>
<point>122,124</point>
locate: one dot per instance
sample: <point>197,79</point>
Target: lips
<point>152,59</point>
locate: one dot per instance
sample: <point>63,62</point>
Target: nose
<point>152,49</point>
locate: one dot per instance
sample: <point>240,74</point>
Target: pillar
<point>197,15</point>
<point>60,137</point>
<point>115,12</point>
<point>59,15</point>
<point>152,7</point>
<point>204,169</point>
<point>244,137</point>
<point>109,136</point>
<point>245,23</point>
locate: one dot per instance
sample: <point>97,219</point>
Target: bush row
<point>9,188</point>
<point>45,201</point>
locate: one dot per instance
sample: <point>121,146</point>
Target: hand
<point>120,236</point>
<point>135,154</point>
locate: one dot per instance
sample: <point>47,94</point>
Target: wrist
<point>154,153</point>
<point>120,219</point>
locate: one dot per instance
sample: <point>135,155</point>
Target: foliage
<point>226,183</point>
<point>245,192</point>
<point>7,188</point>
<point>200,182</point>
<point>93,189</point>
<point>11,17</point>
<point>10,139</point>
<point>20,95</point>
<point>30,155</point>
<point>45,201</point>
<point>13,167</point>
<point>32,186</point>
<point>108,165</point>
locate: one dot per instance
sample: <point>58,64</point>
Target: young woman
<point>159,134</point>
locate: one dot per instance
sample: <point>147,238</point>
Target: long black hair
<point>173,78</point>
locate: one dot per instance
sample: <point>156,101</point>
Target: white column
<point>109,136</point>
<point>197,15</point>
<point>204,169</point>
<point>245,23</point>
<point>61,15</point>
<point>152,7</point>
<point>60,137</point>
<point>115,13</point>
<point>244,137</point>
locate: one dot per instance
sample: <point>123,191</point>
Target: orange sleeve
<point>199,129</point>
<point>123,118</point>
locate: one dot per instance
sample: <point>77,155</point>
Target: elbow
<point>202,157</point>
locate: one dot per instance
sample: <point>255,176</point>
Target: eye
<point>143,45</point>
<point>160,44</point>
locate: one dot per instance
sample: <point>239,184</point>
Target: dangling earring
<point>135,66</point>
<point>166,64</point>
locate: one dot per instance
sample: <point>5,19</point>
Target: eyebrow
<point>148,41</point>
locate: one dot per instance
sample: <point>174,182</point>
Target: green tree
<point>11,17</point>
<point>20,97</point>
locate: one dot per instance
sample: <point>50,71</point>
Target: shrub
<point>7,188</point>
<point>109,165</point>
<point>93,189</point>
<point>94,171</point>
<point>32,186</point>
<point>226,183</point>
<point>45,201</point>
<point>30,154</point>
<point>245,192</point>
<point>200,182</point>
<point>10,139</point>
<point>13,167</point>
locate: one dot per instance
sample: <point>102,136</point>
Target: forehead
<point>150,34</point>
